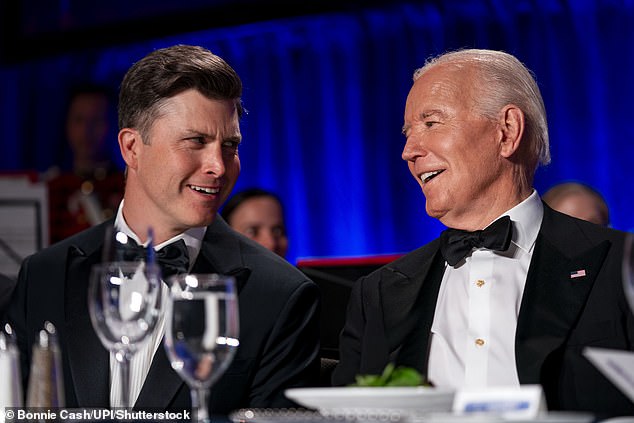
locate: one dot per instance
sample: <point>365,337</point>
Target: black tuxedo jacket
<point>279,324</point>
<point>390,314</point>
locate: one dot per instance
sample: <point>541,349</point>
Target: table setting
<point>131,296</point>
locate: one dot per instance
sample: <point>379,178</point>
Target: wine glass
<point>118,246</point>
<point>201,332</point>
<point>628,269</point>
<point>124,301</point>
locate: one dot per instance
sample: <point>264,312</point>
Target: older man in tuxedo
<point>179,112</point>
<point>513,291</point>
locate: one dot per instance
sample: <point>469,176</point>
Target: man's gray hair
<point>504,80</point>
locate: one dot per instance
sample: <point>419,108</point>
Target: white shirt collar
<point>527,219</point>
<point>192,237</point>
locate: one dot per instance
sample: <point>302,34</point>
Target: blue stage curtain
<point>326,94</point>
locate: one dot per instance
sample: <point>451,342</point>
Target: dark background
<point>325,87</point>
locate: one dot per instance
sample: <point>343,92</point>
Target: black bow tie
<point>173,258</point>
<point>455,244</point>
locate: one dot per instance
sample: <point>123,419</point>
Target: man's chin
<point>438,214</point>
<point>208,220</point>
<point>202,220</point>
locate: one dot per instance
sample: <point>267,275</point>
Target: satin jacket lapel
<point>161,385</point>
<point>557,287</point>
<point>408,296</point>
<point>88,359</point>
<point>219,253</point>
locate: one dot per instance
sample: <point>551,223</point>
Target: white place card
<point>522,403</point>
<point>616,365</point>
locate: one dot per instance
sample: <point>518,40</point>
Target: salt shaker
<point>46,380</point>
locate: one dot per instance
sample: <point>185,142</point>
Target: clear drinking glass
<point>120,247</point>
<point>201,332</point>
<point>124,301</point>
<point>10,374</point>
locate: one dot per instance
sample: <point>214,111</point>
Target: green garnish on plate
<point>392,376</point>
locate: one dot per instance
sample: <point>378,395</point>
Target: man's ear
<point>129,143</point>
<point>512,129</point>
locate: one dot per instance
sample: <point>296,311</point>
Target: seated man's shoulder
<point>569,225</point>
<point>406,264</point>
<point>272,275</point>
<point>273,269</point>
<point>81,243</point>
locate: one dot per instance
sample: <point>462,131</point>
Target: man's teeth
<point>205,190</point>
<point>425,177</point>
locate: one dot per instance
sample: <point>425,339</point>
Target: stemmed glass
<point>124,302</point>
<point>628,270</point>
<point>201,332</point>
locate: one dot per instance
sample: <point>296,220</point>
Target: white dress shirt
<point>473,332</point>
<point>142,359</point>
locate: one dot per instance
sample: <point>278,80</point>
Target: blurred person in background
<point>87,189</point>
<point>578,200</point>
<point>259,215</point>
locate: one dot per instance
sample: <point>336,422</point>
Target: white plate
<point>361,400</point>
<point>550,417</point>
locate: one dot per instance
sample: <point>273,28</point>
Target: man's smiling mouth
<point>428,176</point>
<point>204,190</point>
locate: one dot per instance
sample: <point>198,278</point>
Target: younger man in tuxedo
<point>516,300</point>
<point>179,132</point>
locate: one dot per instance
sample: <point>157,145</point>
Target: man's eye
<point>279,231</point>
<point>197,140</point>
<point>430,123</point>
<point>231,144</point>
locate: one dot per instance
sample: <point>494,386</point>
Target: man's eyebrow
<point>195,132</point>
<point>422,116</point>
<point>234,138</point>
<point>429,113</point>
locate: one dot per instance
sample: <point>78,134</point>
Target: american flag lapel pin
<point>577,273</point>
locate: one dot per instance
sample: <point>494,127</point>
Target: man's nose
<point>413,149</point>
<point>267,239</point>
<point>213,161</point>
